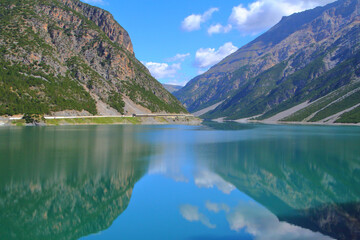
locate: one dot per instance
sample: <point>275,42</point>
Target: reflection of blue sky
<point>180,198</point>
<point>204,207</point>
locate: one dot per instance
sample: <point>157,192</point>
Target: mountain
<point>307,64</point>
<point>61,55</point>
<point>172,88</point>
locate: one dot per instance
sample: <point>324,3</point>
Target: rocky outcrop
<point>105,21</point>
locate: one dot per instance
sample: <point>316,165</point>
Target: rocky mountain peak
<point>104,20</point>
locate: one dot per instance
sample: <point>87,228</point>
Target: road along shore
<point>145,119</point>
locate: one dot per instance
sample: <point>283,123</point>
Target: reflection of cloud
<point>214,207</point>
<point>262,224</point>
<point>192,214</point>
<point>167,168</point>
<point>206,179</point>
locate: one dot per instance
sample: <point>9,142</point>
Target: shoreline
<point>245,121</point>
<point>300,123</point>
<point>147,120</point>
<point>106,120</point>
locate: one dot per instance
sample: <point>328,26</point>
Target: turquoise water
<point>218,181</point>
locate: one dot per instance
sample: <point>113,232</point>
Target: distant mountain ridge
<point>172,88</point>
<point>308,56</point>
<point>68,56</point>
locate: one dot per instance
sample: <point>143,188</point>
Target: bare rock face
<point>82,55</point>
<point>105,21</point>
<point>263,75</point>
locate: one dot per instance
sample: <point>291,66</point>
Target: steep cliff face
<point>105,21</point>
<point>300,59</point>
<point>66,55</point>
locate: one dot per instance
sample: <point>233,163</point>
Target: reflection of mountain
<point>78,184</point>
<point>308,179</point>
<point>66,210</point>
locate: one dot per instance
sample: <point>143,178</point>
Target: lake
<point>217,181</point>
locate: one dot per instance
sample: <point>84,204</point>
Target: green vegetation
<point>293,90</point>
<point>23,90</point>
<point>309,88</point>
<point>160,119</point>
<point>250,99</point>
<point>336,107</point>
<point>103,120</point>
<point>32,118</point>
<point>19,123</point>
<point>115,101</point>
<point>40,73</point>
<point>78,66</point>
<point>302,70</point>
<point>15,32</point>
<point>149,100</point>
<point>321,103</point>
<point>270,93</point>
<point>350,117</point>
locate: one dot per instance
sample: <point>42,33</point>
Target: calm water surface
<point>219,181</point>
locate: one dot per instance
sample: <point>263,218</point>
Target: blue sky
<point>177,40</point>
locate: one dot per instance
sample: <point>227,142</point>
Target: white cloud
<point>263,14</point>
<point>263,225</point>
<point>207,57</point>
<point>193,22</point>
<point>207,179</point>
<point>192,214</point>
<point>218,28</point>
<point>178,57</point>
<point>162,70</point>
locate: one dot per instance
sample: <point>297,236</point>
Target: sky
<point>178,40</point>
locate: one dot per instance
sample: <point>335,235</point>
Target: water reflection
<point>305,176</point>
<point>64,183</point>
<point>249,182</point>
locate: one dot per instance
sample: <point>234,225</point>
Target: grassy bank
<point>80,121</point>
<point>115,120</point>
